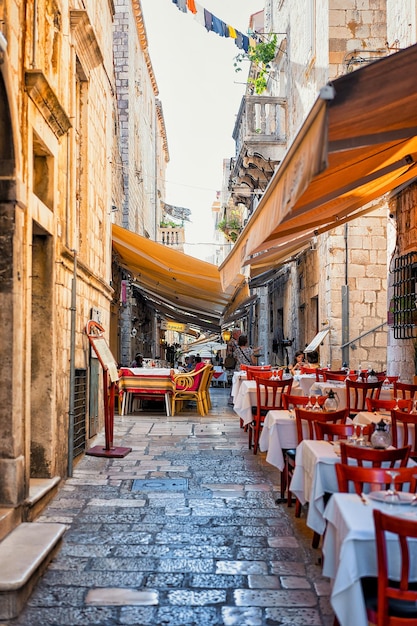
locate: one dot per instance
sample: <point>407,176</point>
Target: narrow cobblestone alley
<point>208,547</point>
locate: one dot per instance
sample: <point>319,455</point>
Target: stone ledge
<point>24,555</point>
<point>41,491</point>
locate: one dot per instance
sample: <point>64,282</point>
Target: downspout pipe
<point>345,304</point>
<point>71,411</point>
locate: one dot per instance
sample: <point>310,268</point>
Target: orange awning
<point>358,142</point>
<point>176,280</point>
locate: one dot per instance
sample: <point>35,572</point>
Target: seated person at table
<point>137,361</point>
<point>313,359</point>
<point>198,366</point>
<point>298,362</point>
<point>243,353</point>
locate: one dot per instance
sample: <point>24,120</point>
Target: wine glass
<point>391,495</point>
<point>396,408</point>
<point>309,405</point>
<point>316,406</point>
<point>360,441</point>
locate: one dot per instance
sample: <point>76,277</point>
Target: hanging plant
<point>261,56</point>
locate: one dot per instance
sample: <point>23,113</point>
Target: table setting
<point>349,549</point>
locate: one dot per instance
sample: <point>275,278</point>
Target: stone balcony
<point>260,134</point>
<point>172,237</point>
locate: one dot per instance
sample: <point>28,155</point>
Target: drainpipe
<point>72,369</point>
<point>345,305</point>
<point>34,32</point>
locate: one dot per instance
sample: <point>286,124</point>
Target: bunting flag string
<point>215,24</point>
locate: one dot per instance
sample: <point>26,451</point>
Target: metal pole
<point>72,369</point>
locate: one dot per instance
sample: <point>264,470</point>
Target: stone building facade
<point>57,131</point>
<point>339,280</point>
<point>143,150</point>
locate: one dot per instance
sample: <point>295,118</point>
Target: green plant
<point>261,56</point>
<point>168,224</point>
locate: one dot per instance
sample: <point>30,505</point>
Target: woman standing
<point>242,353</point>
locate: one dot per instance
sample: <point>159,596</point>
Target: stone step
<point>41,491</point>
<point>24,556</point>
<point>9,519</point>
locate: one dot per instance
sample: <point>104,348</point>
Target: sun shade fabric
<point>184,282</point>
<point>358,142</point>
<point>318,339</point>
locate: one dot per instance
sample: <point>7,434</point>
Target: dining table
<point>315,476</point>
<point>339,389</point>
<point>349,551</point>
<point>145,383</point>
<point>245,398</point>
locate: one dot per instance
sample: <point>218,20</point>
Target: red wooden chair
<point>393,457</point>
<point>376,404</point>
<point>268,397</point>
<point>357,392</point>
<point>331,432</point>
<point>392,602</point>
<point>408,422</point>
<point>290,401</point>
<point>375,476</point>
<point>338,376</point>
<point>307,370</point>
<point>404,390</point>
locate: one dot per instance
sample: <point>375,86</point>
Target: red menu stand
<point>99,344</point>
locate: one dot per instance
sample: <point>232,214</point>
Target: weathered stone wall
<point>63,179</point>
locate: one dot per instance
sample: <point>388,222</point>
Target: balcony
<point>260,135</point>
<point>172,237</point>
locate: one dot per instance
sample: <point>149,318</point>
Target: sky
<point>200,94</point>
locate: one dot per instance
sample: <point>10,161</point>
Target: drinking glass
<point>392,496</point>
<point>309,405</point>
<point>361,439</point>
<point>396,408</point>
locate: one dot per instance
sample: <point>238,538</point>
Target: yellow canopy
<point>176,280</point>
<point>358,142</point>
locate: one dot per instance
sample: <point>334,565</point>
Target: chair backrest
<point>305,419</point>
<point>375,476</point>
<point>253,370</point>
<point>391,457</point>
<point>358,391</point>
<point>307,370</point>
<point>251,374</point>
<point>341,376</point>
<point>376,404</point>
<point>269,394</point>
<point>399,591</point>
<point>319,373</point>
<point>408,424</point>
<point>193,381</point>
<point>291,401</point>
<point>404,390</point>
<point>329,431</point>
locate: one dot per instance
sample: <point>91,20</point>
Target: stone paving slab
<point>219,552</point>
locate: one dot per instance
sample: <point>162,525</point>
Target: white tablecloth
<point>349,551</point>
<point>237,379</point>
<point>279,432</point>
<point>339,389</point>
<point>245,399</point>
<point>314,475</point>
<point>305,381</point>
<point>366,417</point>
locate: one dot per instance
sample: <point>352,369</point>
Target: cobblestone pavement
<point>211,547</point>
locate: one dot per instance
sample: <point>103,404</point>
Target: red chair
<point>329,431</point>
<point>375,476</point>
<point>408,424</point>
<point>339,376</point>
<point>392,602</point>
<point>393,457</point>
<point>357,392</point>
<point>307,370</point>
<point>268,397</point>
<point>251,375</point>
<point>290,402</point>
<point>404,390</point>
<point>376,404</point>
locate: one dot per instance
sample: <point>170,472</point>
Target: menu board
<point>105,356</point>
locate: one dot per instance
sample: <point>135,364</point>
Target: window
<point>403,309</point>
<point>43,173</point>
